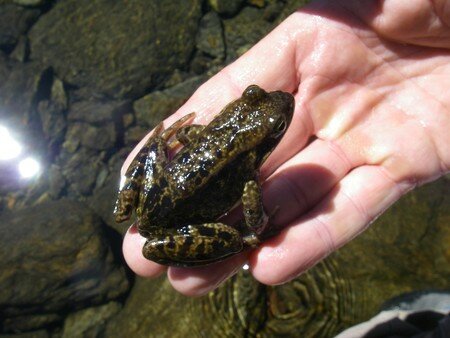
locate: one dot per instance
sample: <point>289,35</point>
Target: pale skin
<point>371,80</point>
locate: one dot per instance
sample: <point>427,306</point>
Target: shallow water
<point>81,82</point>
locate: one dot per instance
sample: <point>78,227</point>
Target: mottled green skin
<point>179,200</point>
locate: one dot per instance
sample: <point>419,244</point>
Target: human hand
<point>371,122</point>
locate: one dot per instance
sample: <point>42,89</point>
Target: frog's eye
<point>253,92</point>
<point>279,127</point>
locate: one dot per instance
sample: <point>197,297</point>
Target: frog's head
<point>272,111</point>
<point>256,121</point>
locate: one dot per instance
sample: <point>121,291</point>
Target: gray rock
<point>210,36</point>
<point>226,7</point>
<point>126,47</point>
<point>156,106</point>
<point>98,138</point>
<point>89,322</point>
<point>135,134</point>
<point>73,137</point>
<point>57,183</point>
<point>95,111</point>
<point>14,21</point>
<point>31,334</point>
<point>53,122</point>
<point>90,136</point>
<point>57,262</point>
<point>81,169</point>
<point>31,2</point>
<point>18,91</point>
<point>104,199</point>
<point>4,69</point>
<point>258,3</point>
<point>30,322</point>
<point>243,31</point>
<point>22,49</point>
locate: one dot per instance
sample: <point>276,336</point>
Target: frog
<point>180,197</point>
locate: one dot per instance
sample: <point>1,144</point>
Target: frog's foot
<point>193,245</point>
<point>169,132</point>
<point>132,180</point>
<point>254,214</point>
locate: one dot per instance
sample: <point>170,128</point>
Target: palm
<point>371,123</point>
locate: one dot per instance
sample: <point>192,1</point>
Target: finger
<point>200,280</point>
<point>294,188</point>
<point>305,179</point>
<point>346,211</point>
<point>132,252</point>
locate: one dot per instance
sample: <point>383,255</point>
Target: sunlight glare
<point>29,167</point>
<point>9,147</point>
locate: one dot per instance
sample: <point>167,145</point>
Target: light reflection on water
<point>10,150</point>
<point>9,147</point>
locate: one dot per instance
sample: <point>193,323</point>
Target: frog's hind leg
<point>193,244</point>
<point>132,180</point>
<point>141,170</point>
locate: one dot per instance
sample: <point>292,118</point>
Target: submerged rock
<point>14,21</point>
<point>121,48</point>
<point>210,36</point>
<point>97,111</point>
<point>156,106</point>
<point>89,322</point>
<point>55,257</point>
<point>226,7</point>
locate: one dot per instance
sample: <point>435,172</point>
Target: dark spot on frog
<point>206,231</point>
<point>203,172</point>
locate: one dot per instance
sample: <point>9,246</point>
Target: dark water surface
<point>81,82</point>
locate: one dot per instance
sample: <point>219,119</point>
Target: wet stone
<point>18,91</point>
<point>226,7</point>
<point>243,31</point>
<point>22,49</point>
<point>156,106</point>
<point>30,322</point>
<point>92,137</point>
<point>73,137</point>
<point>96,111</point>
<point>81,170</point>
<point>14,21</point>
<point>135,134</point>
<point>104,198</point>
<point>58,262</point>
<point>89,322</point>
<point>57,182</point>
<point>210,36</point>
<point>31,2</point>
<point>31,334</point>
<point>257,3</point>
<point>99,138</point>
<point>126,47</point>
<point>53,122</point>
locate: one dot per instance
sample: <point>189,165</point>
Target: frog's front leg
<point>187,134</point>
<point>254,214</point>
<point>192,244</point>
